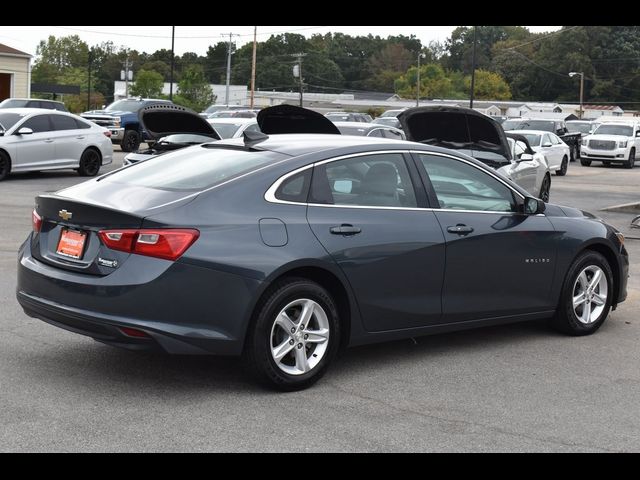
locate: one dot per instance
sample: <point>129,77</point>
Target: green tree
<point>194,90</point>
<point>148,84</point>
<point>434,82</point>
<point>489,86</point>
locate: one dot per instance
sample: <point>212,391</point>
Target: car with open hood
<point>172,127</point>
<point>479,136</point>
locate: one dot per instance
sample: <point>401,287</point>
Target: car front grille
<point>602,144</point>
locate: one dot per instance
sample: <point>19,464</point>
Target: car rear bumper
<point>183,309</point>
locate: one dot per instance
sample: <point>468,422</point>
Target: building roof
<point>7,50</point>
<point>601,107</point>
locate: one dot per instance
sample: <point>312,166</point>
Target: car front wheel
<point>90,163</point>
<point>130,141</point>
<point>631,160</point>
<point>545,189</point>
<point>563,167</point>
<point>5,165</point>
<point>586,295</point>
<point>295,335</point>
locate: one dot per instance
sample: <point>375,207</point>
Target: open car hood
<point>521,138</point>
<point>291,119</point>
<point>457,128</point>
<point>162,120</point>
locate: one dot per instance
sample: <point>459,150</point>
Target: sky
<point>197,39</point>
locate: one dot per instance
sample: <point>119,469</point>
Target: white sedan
<point>233,127</point>
<point>553,148</point>
<point>33,139</point>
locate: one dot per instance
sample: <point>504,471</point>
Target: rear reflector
<point>168,244</point>
<point>133,332</point>
<point>36,221</point>
<point>107,133</point>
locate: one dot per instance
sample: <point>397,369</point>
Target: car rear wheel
<point>5,165</point>
<point>563,167</point>
<point>632,159</point>
<point>545,189</point>
<point>130,141</point>
<point>586,295</point>
<point>90,163</point>
<point>585,163</point>
<point>295,335</point>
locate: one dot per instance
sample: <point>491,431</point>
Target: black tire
<point>563,167</point>
<point>90,163</point>
<point>5,165</point>
<point>585,163</point>
<point>130,141</point>
<point>262,333</point>
<point>631,161</point>
<point>566,319</point>
<point>545,189</point>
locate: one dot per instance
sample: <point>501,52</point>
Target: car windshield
<point>125,106</point>
<point>8,120</point>
<point>338,117</point>
<point>226,130</point>
<point>390,121</point>
<point>622,130</point>
<point>545,125</point>
<point>511,124</point>
<point>582,127</point>
<point>534,140</point>
<point>353,131</point>
<point>13,103</point>
<point>193,168</point>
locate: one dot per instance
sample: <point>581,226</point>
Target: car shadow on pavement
<point>94,365</point>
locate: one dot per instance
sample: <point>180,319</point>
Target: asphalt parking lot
<point>511,388</point>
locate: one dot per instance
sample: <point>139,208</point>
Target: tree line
<point>511,63</point>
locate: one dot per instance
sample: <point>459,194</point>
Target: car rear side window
<point>460,186</point>
<point>370,180</point>
<point>62,122</point>
<point>295,188</point>
<point>80,124</point>
<point>194,168</point>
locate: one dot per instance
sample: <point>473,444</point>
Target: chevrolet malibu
<point>287,248</point>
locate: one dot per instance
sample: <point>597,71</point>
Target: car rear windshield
<point>226,130</point>
<point>8,120</point>
<point>545,125</point>
<point>13,103</point>
<point>193,168</point>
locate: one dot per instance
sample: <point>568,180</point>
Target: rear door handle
<point>345,229</point>
<point>460,229</point>
<point>48,140</point>
<point>80,137</point>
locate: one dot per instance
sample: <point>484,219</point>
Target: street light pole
<point>173,56</point>
<point>473,65</point>
<point>418,83</point>
<point>573,74</point>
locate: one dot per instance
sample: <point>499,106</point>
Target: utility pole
<point>173,56</point>
<point>231,35</point>
<point>253,64</point>
<point>418,83</point>
<point>473,65</point>
<point>127,66</point>
<point>299,56</point>
<point>89,80</point>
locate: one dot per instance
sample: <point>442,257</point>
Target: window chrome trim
<point>270,194</point>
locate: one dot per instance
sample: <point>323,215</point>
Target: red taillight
<point>168,244</point>
<point>36,221</point>
<point>107,133</point>
<point>134,332</point>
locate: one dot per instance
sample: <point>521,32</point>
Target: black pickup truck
<point>558,127</point>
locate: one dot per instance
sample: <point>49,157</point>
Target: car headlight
<point>117,122</point>
<point>622,144</point>
<point>584,142</point>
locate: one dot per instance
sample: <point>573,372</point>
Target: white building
<point>15,73</point>
<point>238,94</point>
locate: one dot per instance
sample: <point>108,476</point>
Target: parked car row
<point>289,244</point>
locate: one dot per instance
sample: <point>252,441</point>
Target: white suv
<point>612,142</point>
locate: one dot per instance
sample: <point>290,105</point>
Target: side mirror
<point>534,206</point>
<point>524,157</point>
<point>25,131</point>
<point>546,145</point>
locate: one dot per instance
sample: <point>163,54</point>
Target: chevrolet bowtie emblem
<point>63,214</point>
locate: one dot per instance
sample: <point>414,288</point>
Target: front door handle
<point>345,229</point>
<point>81,137</point>
<point>48,140</point>
<point>460,229</point>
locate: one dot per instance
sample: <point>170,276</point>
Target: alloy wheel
<point>590,292</point>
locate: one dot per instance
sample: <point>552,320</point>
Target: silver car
<point>33,139</point>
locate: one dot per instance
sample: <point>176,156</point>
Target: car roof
<point>30,111</point>
<point>296,144</point>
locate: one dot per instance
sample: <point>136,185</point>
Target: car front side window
<point>461,186</point>
<point>38,124</point>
